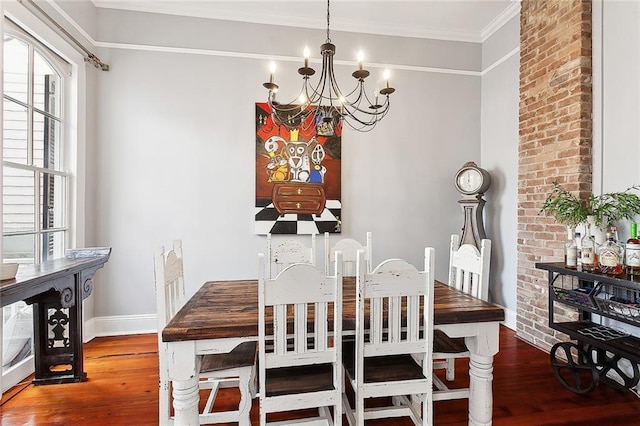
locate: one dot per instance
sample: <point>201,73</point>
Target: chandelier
<point>325,104</point>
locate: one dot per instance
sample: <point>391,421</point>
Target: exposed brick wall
<point>555,143</point>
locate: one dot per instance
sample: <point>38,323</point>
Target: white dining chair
<point>235,369</point>
<point>469,273</point>
<point>299,364</point>
<point>290,251</point>
<point>349,248</point>
<point>390,358</point>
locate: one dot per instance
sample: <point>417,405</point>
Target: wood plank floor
<point>123,377</point>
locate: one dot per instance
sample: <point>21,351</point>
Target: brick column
<point>555,142</point>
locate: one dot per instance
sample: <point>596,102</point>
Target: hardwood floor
<point>123,378</point>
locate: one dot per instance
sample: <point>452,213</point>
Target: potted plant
<point>605,209</point>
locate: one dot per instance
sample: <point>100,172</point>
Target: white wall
<point>617,95</point>
<point>616,115</point>
<point>175,146</point>
<point>499,152</point>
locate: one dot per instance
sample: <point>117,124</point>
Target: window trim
<point>75,136</point>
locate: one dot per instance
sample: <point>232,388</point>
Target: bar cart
<point>602,353</point>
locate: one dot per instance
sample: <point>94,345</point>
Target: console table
<point>56,289</point>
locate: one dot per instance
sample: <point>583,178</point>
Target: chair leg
<point>346,407</point>
<point>263,414</point>
<point>427,411</point>
<point>337,414</point>
<point>451,366</point>
<point>244,408</point>
<point>359,411</point>
<point>164,399</point>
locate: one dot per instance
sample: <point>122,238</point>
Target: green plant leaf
<point>606,208</point>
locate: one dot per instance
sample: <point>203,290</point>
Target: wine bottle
<point>632,252</point>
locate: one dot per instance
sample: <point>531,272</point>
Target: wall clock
<point>472,182</point>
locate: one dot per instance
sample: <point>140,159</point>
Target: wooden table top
<point>223,309</point>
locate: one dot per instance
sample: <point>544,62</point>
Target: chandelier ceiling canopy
<point>324,103</point>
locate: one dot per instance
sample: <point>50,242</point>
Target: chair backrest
<point>469,267</point>
<point>311,303</point>
<point>290,251</point>
<point>169,281</point>
<point>392,287</point>
<point>349,248</point>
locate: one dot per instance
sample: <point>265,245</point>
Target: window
<point>35,185</point>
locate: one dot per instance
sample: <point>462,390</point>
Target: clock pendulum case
<point>472,182</point>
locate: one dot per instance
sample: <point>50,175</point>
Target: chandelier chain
<point>328,16</point>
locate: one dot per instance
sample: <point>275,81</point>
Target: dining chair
<point>391,357</point>
<point>299,363</point>
<point>469,273</point>
<point>287,253</point>
<point>235,369</point>
<point>349,248</point>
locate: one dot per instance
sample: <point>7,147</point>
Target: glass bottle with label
<point>632,252</point>
<point>571,252</point>
<point>611,256</point>
<point>588,252</point>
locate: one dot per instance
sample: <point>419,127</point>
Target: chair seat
<point>303,379</point>
<point>448,345</point>
<point>242,355</point>
<point>382,369</point>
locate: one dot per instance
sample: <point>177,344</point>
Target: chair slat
<point>321,318</point>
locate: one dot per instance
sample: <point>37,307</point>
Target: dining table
<point>223,314</point>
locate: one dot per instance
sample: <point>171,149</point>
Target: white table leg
<point>183,368</point>
<point>482,348</point>
<point>185,402</point>
<point>480,390</point>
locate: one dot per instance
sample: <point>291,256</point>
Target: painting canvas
<point>298,175</point>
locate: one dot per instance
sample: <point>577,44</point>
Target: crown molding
<point>199,10</point>
<point>500,20</point>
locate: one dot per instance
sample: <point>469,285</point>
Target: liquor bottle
<point>611,256</point>
<point>632,252</point>
<point>588,252</point>
<point>578,239</point>
<point>571,253</point>
<point>596,245</point>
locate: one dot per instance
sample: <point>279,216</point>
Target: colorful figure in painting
<point>317,155</point>
<point>277,168</point>
<point>299,164</point>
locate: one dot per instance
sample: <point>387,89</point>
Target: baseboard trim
<point>119,325</point>
<point>510,318</point>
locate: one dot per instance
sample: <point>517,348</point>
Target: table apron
<point>220,345</point>
<point>482,338</point>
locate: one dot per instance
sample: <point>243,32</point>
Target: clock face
<point>469,180</point>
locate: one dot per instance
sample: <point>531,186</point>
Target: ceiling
<point>463,20</point>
